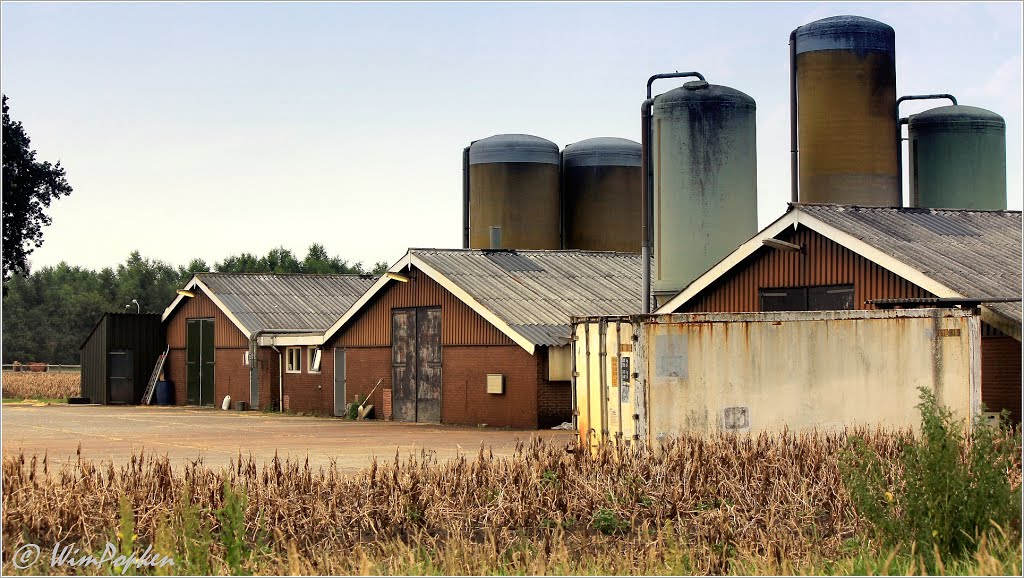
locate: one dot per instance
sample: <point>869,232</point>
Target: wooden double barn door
<point>199,357</point>
<point>416,364</point>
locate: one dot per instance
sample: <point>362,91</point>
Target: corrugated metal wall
<point>225,333</point>
<point>94,363</point>
<point>825,263</point>
<point>460,326</point>
<point>143,334</point>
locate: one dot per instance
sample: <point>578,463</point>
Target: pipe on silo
<point>899,134</point>
<point>794,151</point>
<point>647,168</point>
<point>465,197</point>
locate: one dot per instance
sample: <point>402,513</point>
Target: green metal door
<point>199,357</point>
<point>208,353</point>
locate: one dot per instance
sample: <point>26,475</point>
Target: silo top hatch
<point>602,151</point>
<point>513,148</point>
<point>700,92</point>
<point>957,117</point>
<point>854,33</point>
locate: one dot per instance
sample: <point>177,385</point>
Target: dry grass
<point>773,502</point>
<point>31,385</point>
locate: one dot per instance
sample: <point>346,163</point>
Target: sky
<point>206,130</point>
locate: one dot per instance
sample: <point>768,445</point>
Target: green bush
<point>353,408</point>
<point>948,490</point>
<point>608,522</point>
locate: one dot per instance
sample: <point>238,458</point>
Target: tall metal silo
<point>844,90</point>
<point>705,180</point>
<point>514,184</point>
<point>602,204</point>
<point>958,158</point>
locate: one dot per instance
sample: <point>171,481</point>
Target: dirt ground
<point>113,433</point>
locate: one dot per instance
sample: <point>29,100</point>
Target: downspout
<point>794,155</point>
<point>465,197</point>
<point>647,168</point>
<point>899,136</point>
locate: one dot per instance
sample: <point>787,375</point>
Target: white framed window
<point>314,359</point>
<point>293,360</point>
<point>245,358</point>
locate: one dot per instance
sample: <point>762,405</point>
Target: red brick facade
<point>554,398</point>
<point>1001,375</point>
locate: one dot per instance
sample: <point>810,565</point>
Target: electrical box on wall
<point>495,383</point>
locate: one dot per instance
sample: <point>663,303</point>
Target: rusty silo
<point>704,165</point>
<point>957,158</point>
<point>601,182</point>
<point>843,86</point>
<point>512,184</point>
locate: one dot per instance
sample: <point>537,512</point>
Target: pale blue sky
<point>204,130</point>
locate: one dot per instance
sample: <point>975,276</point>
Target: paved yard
<point>107,432</point>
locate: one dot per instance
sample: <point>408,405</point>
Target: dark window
<point>824,298</point>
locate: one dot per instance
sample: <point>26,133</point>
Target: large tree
<point>29,186</point>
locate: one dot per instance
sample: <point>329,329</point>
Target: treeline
<point>48,314</point>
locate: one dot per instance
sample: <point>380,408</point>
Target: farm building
<point>118,357</point>
<point>220,322</point>
<point>837,257</point>
<point>466,336</point>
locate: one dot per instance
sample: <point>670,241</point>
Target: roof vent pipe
<point>899,133</point>
<point>495,237</point>
<point>647,169</point>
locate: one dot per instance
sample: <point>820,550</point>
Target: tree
<point>29,187</point>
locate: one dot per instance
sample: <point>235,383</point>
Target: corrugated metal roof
<point>975,253</point>
<point>536,292</point>
<point>279,302</point>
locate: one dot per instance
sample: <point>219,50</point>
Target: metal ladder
<point>151,386</point>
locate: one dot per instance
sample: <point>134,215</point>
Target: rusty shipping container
<point>640,379</point>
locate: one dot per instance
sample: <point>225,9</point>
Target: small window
<point>245,358</point>
<point>314,359</point>
<point>293,360</point>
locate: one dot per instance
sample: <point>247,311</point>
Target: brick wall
<point>310,392</point>
<point>554,398</point>
<point>1001,375</point>
<point>364,367</point>
<point>464,397</point>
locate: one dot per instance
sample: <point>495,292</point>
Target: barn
<point>468,336</point>
<point>836,257</point>
<point>255,337</point>
<point>118,357</point>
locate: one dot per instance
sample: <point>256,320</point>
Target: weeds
<point>948,489</point>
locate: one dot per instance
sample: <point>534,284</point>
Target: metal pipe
<point>647,168</point>
<point>794,155</point>
<point>899,134</point>
<point>465,198</point>
<point>561,201</point>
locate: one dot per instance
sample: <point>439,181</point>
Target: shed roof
<point>279,302</point>
<point>948,252</point>
<point>530,295</point>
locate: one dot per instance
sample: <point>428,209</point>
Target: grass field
<point>52,387</point>
<point>760,505</point>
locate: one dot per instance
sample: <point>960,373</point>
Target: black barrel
<point>165,393</point>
